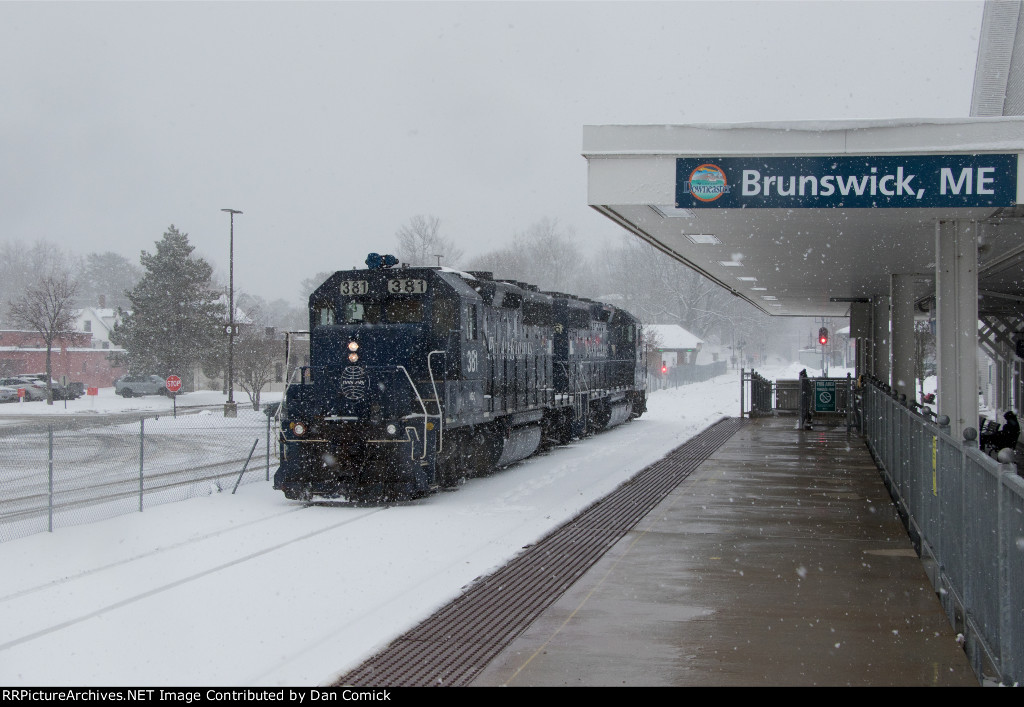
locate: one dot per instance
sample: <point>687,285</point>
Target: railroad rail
<point>454,645</point>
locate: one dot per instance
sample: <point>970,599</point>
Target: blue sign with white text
<point>865,182</point>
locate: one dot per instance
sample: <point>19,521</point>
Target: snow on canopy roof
<point>673,336</point>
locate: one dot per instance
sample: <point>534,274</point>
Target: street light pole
<point>230,409</point>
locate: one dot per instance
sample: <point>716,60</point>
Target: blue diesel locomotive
<point>422,376</point>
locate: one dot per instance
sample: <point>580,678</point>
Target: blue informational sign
<point>888,181</point>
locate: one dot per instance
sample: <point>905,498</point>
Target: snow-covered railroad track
<point>134,580</point>
<point>149,553</point>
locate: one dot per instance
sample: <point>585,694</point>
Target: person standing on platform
<point>806,398</point>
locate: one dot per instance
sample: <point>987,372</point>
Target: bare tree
<point>256,352</point>
<point>21,263</point>
<point>47,308</point>
<point>420,242</point>
<point>652,350</point>
<point>309,284</point>
<point>546,254</point>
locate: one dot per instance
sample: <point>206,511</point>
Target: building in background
<point>74,356</point>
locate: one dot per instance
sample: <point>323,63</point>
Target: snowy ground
<point>252,589</point>
<point>107,401</point>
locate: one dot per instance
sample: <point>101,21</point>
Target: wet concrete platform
<point>780,562</point>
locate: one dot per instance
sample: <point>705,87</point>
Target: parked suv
<point>129,386</point>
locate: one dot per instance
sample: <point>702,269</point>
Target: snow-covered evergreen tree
<point>176,320</point>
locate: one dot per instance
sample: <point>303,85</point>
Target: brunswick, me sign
<point>865,182</point>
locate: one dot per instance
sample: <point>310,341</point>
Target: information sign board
<point>824,396</point>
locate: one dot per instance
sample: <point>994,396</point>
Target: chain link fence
<point>67,472</point>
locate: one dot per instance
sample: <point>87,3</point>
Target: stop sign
<point>173,384</point>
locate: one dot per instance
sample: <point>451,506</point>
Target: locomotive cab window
<point>324,315</point>
<point>361,313</point>
<point>404,311</point>
<point>446,315</point>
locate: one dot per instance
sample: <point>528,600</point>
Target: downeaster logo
<point>707,183</point>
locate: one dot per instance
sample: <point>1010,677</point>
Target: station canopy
<point>803,218</point>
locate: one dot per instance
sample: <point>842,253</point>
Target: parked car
<point>59,391</point>
<point>75,390</point>
<point>8,394</point>
<point>129,386</point>
<point>32,391</point>
<point>40,384</point>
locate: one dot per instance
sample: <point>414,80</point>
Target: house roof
<point>673,336</point>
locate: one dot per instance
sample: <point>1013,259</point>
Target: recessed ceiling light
<point>730,263</point>
<point>670,211</point>
<point>760,289</point>
<point>747,278</point>
<point>768,297</point>
<point>703,239</point>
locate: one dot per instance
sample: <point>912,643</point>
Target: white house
<point>97,321</point>
<point>678,347</point>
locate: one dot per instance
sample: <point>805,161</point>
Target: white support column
<point>1018,384</point>
<point>880,337</point>
<point>902,334</point>
<point>1003,401</point>
<point>956,302</point>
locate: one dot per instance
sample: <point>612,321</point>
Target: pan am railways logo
<point>707,183</point>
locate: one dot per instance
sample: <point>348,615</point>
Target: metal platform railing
<point>832,397</point>
<point>964,511</point>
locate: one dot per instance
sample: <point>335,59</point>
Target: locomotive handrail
<point>440,413</point>
<point>419,399</point>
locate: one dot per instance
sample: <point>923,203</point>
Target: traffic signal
<point>664,368</point>
<point>823,336</point>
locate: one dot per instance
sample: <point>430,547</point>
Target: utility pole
<point>230,409</point>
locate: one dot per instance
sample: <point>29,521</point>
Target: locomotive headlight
<point>353,346</point>
<point>353,357</point>
<point>392,429</point>
<point>298,428</point>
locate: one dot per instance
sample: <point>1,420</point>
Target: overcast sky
<point>330,124</point>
